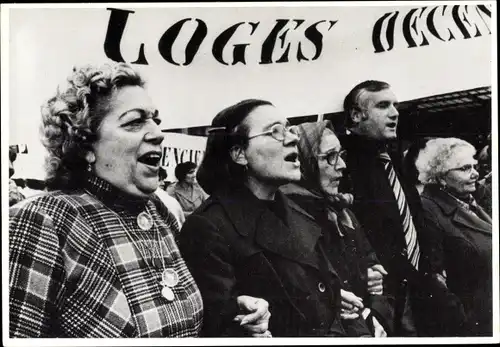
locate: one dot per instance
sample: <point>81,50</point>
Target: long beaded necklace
<point>169,276</point>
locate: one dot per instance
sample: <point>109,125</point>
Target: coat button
<point>321,287</point>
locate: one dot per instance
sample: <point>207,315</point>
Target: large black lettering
<point>409,23</point>
<point>266,56</point>
<point>164,157</point>
<point>483,9</point>
<point>168,38</point>
<point>389,34</point>
<point>461,26</point>
<point>239,50</point>
<point>198,155</point>
<point>431,26</point>
<point>181,157</point>
<point>116,27</point>
<point>176,156</point>
<point>316,37</point>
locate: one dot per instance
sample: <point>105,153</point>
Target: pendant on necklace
<point>168,293</point>
<point>170,278</point>
<point>145,221</point>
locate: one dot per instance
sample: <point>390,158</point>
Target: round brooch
<point>170,278</point>
<point>144,221</point>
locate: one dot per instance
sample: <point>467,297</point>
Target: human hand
<point>351,305</point>
<point>379,330</point>
<point>254,316</point>
<point>376,275</point>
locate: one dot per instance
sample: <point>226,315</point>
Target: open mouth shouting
<point>293,158</point>
<point>151,159</point>
<point>392,125</point>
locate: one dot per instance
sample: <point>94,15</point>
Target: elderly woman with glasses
<point>96,256</point>
<point>249,237</point>
<point>459,230</point>
<point>366,311</point>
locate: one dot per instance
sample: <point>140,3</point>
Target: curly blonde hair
<point>70,119</point>
<point>439,156</point>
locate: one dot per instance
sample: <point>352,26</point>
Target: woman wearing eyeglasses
<point>248,237</point>
<point>459,230</point>
<point>365,309</point>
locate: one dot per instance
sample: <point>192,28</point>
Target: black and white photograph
<point>237,173</point>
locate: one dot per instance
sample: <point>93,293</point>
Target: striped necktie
<point>404,210</point>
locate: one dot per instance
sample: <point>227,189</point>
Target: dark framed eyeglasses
<point>332,158</point>
<point>466,168</point>
<point>278,131</point>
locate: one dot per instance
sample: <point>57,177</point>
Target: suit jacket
<point>75,273</point>
<point>376,207</point>
<point>235,245</point>
<point>462,246</point>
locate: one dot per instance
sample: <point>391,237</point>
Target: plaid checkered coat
<point>74,271</point>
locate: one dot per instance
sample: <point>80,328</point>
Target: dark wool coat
<point>349,251</point>
<point>462,246</point>
<point>234,244</point>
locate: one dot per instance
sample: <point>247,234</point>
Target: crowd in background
<point>283,230</point>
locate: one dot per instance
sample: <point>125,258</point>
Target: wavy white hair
<point>439,156</point>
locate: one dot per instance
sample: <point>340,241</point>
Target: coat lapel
<point>295,238</point>
<point>470,220</point>
<point>459,214</point>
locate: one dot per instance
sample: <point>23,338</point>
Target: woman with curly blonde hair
<point>96,255</point>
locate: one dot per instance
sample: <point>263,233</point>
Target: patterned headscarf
<point>310,140</point>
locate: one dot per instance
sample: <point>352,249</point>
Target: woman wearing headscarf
<point>459,231</point>
<point>249,237</point>
<point>365,310</point>
<point>96,255</point>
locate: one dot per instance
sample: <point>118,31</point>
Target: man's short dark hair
<point>162,174</point>
<point>351,100</point>
<point>183,169</point>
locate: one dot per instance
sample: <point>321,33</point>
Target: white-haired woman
<point>459,229</point>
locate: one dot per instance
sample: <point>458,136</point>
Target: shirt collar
<point>112,196</point>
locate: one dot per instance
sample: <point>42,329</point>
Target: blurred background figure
<point>483,193</point>
<point>410,156</point>
<point>458,243</point>
<point>170,202</point>
<point>186,190</point>
<point>163,177</point>
<point>15,194</point>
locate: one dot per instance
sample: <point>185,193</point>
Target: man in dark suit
<point>387,206</point>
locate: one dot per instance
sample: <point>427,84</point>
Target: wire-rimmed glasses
<point>278,131</point>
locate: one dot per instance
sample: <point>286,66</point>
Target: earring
<point>90,158</point>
